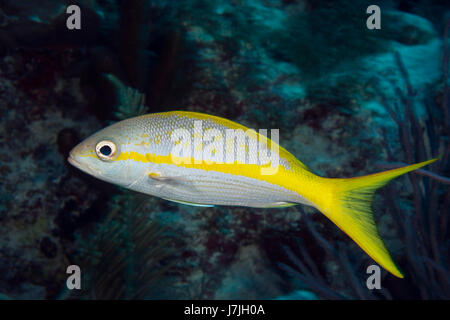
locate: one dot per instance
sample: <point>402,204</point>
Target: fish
<point>204,160</point>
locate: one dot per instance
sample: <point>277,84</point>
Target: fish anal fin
<point>279,204</point>
<point>190,203</point>
<point>284,204</point>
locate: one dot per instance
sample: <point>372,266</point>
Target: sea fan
<point>127,254</point>
<point>131,102</point>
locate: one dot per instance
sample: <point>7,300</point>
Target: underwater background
<point>348,101</point>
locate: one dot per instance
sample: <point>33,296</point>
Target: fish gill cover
<point>348,101</point>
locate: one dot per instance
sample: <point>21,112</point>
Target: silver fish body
<point>143,141</point>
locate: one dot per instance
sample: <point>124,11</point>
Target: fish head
<point>100,155</point>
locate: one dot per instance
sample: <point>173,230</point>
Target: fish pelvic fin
<point>348,203</point>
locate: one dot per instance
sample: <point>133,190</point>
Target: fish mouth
<point>73,162</point>
<point>82,166</point>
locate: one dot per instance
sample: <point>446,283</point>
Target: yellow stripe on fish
<point>139,154</point>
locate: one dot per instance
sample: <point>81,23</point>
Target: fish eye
<point>106,150</point>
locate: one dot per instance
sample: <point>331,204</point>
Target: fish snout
<point>77,157</point>
<point>72,160</point>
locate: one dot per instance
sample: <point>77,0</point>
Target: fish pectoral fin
<point>158,177</point>
<point>190,203</point>
<point>176,182</point>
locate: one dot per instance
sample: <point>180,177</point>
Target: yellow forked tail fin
<point>348,204</point>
